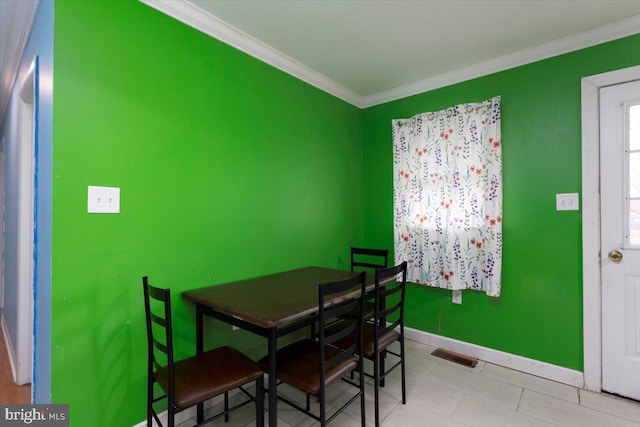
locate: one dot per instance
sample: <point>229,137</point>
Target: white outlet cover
<point>103,199</point>
<point>456,297</point>
<point>567,202</point>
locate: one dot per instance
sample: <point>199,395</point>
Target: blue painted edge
<point>36,125</point>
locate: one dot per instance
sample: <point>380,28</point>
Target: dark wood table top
<point>272,300</point>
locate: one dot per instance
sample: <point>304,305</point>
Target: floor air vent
<point>455,357</point>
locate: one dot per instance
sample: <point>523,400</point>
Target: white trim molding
<point>508,360</point>
<point>512,361</point>
<point>187,13</point>
<point>190,14</point>
<point>616,30</point>
<point>188,413</point>
<point>591,249</point>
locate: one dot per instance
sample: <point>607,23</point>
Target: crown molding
<point>213,26</point>
<point>209,24</point>
<point>616,30</point>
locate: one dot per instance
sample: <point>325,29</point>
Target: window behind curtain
<point>448,197</point>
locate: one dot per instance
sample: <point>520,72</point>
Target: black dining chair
<point>386,329</point>
<point>368,260</point>
<point>194,380</point>
<point>312,365</point>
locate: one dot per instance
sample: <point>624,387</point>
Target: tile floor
<point>9,392</point>
<point>442,393</point>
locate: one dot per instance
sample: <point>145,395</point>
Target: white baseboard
<point>188,413</point>
<point>512,361</point>
<point>508,360</point>
<point>10,350</point>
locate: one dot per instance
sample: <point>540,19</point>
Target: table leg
<point>199,329</point>
<point>199,350</point>
<point>273,379</point>
<point>383,355</point>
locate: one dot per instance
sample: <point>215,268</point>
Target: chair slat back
<point>157,303</point>
<point>368,258</point>
<point>329,314</point>
<point>389,299</point>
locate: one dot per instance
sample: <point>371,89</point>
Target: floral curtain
<point>447,197</point>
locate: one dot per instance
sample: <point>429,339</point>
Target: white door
<point>620,237</point>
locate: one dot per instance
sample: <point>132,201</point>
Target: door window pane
<point>634,223</point>
<point>634,127</point>
<point>633,192</point>
<point>634,175</point>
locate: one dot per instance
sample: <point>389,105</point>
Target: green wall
<point>228,169</point>
<point>539,313</point>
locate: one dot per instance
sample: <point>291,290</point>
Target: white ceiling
<point>375,51</point>
<point>368,52</point>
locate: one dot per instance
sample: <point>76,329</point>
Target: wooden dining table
<point>271,306</point>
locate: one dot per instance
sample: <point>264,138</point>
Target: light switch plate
<point>567,202</point>
<point>103,200</point>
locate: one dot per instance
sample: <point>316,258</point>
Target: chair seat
<point>209,374</point>
<point>299,365</point>
<point>384,341</point>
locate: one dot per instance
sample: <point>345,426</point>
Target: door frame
<point>591,245</point>
<point>27,136</point>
